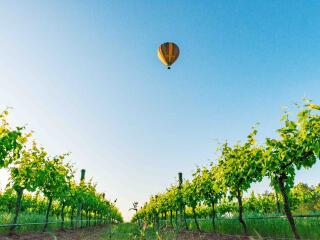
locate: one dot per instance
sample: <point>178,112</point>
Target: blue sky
<point>84,75</point>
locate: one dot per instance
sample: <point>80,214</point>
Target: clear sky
<point>84,75</point>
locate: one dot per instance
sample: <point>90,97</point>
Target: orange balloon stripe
<point>170,51</point>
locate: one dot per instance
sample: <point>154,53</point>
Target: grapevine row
<point>48,181</point>
<point>238,166</point>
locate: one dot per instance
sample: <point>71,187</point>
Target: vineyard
<point>213,200</point>
<point>42,192</point>
<point>43,195</point>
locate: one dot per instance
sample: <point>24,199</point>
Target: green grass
<point>131,231</point>
<point>7,218</point>
<point>309,228</point>
<point>122,231</point>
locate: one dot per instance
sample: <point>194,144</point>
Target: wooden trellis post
<point>79,215</point>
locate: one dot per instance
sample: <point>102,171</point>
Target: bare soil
<point>91,233</point>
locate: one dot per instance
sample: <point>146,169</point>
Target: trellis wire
<point>41,223</point>
<point>261,218</point>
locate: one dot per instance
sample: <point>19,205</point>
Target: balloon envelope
<point>168,53</point>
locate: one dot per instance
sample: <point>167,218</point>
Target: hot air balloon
<point>168,53</point>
